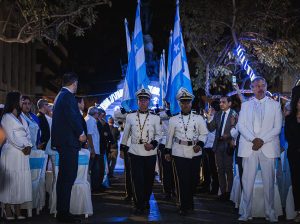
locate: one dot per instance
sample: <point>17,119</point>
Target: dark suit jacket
<point>106,137</point>
<point>84,130</point>
<point>45,129</point>
<point>216,123</point>
<point>67,123</point>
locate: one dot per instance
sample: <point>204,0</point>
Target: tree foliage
<point>22,21</point>
<point>269,31</point>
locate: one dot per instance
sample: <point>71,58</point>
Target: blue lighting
<point>154,214</point>
<point>240,53</point>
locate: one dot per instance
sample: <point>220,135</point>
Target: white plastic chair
<point>37,160</point>
<point>290,206</point>
<point>236,191</point>
<point>81,199</point>
<point>52,199</point>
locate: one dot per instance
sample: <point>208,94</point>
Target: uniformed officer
<point>186,137</point>
<point>145,131</point>
<point>166,166</point>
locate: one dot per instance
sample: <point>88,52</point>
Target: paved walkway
<point>110,208</point>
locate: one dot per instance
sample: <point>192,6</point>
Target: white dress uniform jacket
<point>150,132</point>
<point>270,128</point>
<point>196,131</point>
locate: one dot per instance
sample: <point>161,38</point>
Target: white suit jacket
<point>271,127</point>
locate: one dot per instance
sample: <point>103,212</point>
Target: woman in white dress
<point>15,176</point>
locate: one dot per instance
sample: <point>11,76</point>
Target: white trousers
<point>250,165</point>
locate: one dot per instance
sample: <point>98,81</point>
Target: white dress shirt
<point>225,120</point>
<point>92,130</point>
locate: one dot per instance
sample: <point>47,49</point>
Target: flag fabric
<point>136,76</point>
<point>169,61</point>
<point>128,40</point>
<point>162,79</point>
<point>179,72</point>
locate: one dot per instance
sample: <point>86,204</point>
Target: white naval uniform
<point>151,131</point>
<point>196,131</point>
<point>142,127</point>
<point>189,129</point>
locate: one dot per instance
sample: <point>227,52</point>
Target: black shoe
<point>127,198</point>
<point>227,196</point>
<point>67,218</point>
<point>213,192</point>
<point>138,211</point>
<point>182,212</point>
<point>147,205</point>
<point>203,190</point>
<point>168,197</point>
<point>222,197</point>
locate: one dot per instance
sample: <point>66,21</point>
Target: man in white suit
<point>259,124</point>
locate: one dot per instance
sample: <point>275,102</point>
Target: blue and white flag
<point>128,40</point>
<point>162,79</point>
<point>136,76</point>
<point>169,61</point>
<point>179,73</point>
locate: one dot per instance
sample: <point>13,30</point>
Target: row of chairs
<point>42,182</point>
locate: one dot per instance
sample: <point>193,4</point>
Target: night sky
<point>97,56</point>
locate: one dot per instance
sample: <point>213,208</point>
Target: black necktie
<point>222,122</point>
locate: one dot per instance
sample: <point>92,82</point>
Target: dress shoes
<point>139,211</point>
<point>67,218</point>
<point>222,197</point>
<point>297,218</point>
<point>127,198</point>
<point>244,218</point>
<point>182,212</point>
<point>203,190</point>
<point>147,205</point>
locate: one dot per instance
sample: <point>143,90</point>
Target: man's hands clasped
<point>257,144</point>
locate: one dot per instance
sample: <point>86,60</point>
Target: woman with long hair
<point>32,121</point>
<point>15,176</point>
<point>292,134</point>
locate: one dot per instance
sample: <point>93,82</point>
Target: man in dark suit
<point>67,135</point>
<point>81,105</point>
<point>105,141</point>
<point>43,108</point>
<point>223,151</point>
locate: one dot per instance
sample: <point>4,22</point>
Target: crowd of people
<point>251,137</point>
<point>58,128</point>
<point>195,153</point>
